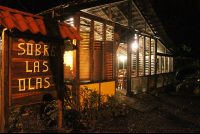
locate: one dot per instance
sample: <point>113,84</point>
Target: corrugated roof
<point>11,18</point>
<point>144,19</point>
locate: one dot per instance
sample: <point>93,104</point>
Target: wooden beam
<point>5,83</point>
<point>104,52</point>
<point>76,81</point>
<point>144,55</point>
<point>137,57</point>
<point>155,65</point>
<point>110,14</point>
<point>76,7</point>
<point>61,84</point>
<point>130,13</point>
<point>92,52</point>
<point>129,42</point>
<point>121,13</point>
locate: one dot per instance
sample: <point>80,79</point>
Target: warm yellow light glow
<point>135,36</point>
<point>68,59</point>
<point>122,58</point>
<point>135,45</point>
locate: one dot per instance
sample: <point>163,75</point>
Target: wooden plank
<point>155,64</point>
<point>76,81</point>
<point>104,53</point>
<point>60,84</point>
<point>5,83</point>
<point>92,52</point>
<point>149,56</point>
<point>96,18</point>
<point>31,97</point>
<point>129,42</point>
<point>144,48</point>
<point>34,68</point>
<point>137,57</point>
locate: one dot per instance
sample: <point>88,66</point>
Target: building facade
<point>124,46</point>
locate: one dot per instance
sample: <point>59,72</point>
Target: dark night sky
<point>180,18</point>
<point>32,6</point>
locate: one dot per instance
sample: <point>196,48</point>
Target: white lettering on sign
<point>19,46</point>
<point>29,46</point>
<point>28,49</point>
<point>38,84</point>
<point>20,84</point>
<point>48,84</point>
<point>29,85</point>
<point>27,67</point>
<point>37,49</point>
<point>45,66</point>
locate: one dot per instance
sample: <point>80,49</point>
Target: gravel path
<point>164,113</point>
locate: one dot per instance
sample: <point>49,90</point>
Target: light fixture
<point>134,45</point>
<point>122,58</point>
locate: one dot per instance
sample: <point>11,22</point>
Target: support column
<point>130,39</point>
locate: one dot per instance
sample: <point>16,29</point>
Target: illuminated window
<point>171,64</point>
<point>109,33</point>
<point>167,64</point>
<point>68,59</point>
<point>141,55</point>
<point>163,64</point>
<point>158,64</point>
<point>84,49</point>
<point>68,64</point>
<point>147,56</point>
<point>160,47</point>
<point>98,31</point>
<point>152,56</point>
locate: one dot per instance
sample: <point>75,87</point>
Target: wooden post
<point>155,65</point>
<point>92,52</point>
<point>130,38</point>
<point>144,55</point>
<point>130,41</point>
<point>76,81</point>
<point>149,56</point>
<point>137,57</point>
<point>104,51</point>
<point>60,84</point>
<point>5,83</point>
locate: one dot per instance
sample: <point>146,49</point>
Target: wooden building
<point>124,45</point>
<point>31,60</point>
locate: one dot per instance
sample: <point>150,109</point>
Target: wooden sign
<point>31,69</point>
<point>33,72</point>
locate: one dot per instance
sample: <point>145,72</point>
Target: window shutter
<point>147,56</point>
<point>97,60</point>
<point>84,51</point>
<point>152,56</point>
<point>141,56</point>
<point>109,60</point>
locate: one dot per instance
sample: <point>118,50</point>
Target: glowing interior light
<point>135,45</point>
<point>135,36</point>
<point>122,58</point>
<point>68,59</point>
